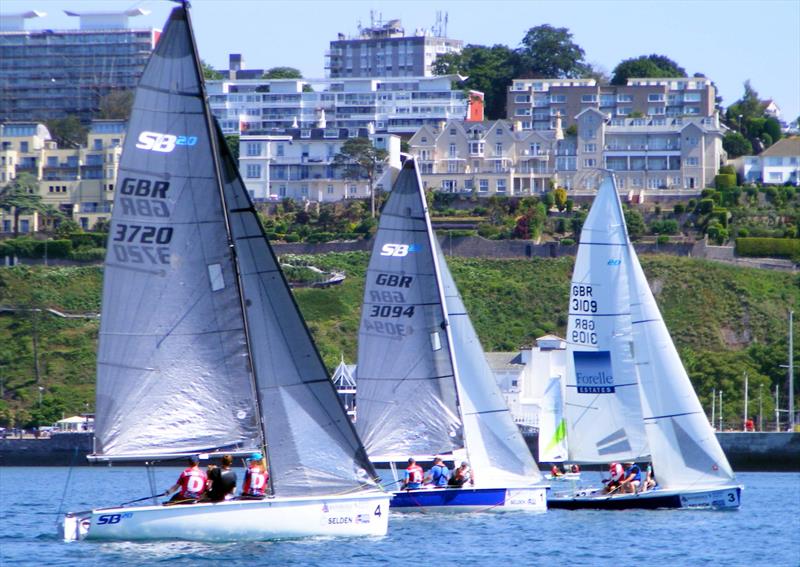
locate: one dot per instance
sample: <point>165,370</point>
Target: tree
<point>736,145</point>
<point>282,73</point>
<point>209,73</point>
<point>67,132</point>
<point>560,197</point>
<point>488,69</point>
<point>359,158</point>
<point>773,128</point>
<point>233,145</point>
<point>646,66</point>
<point>635,223</point>
<point>20,197</point>
<point>549,52</point>
<point>51,216</point>
<point>117,105</point>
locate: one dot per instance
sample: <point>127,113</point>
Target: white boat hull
<point>528,499</point>
<point>726,498</point>
<point>236,520</point>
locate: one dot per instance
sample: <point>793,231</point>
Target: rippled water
<point>765,531</point>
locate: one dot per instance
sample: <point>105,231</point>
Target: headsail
<point>602,405</point>
<point>407,399</point>
<point>173,374</point>
<point>495,446</point>
<point>553,442</point>
<point>684,448</point>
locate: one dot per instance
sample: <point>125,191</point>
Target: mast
<point>791,373</point>
<point>744,422</point>
<point>443,300</point>
<point>214,141</point>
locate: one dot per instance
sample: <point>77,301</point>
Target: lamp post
<point>740,123</point>
<point>41,389</point>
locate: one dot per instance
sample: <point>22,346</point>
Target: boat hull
<point>236,520</point>
<point>717,499</point>
<point>531,499</point>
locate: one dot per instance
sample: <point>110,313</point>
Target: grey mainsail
<point>407,399</point>
<point>172,373</point>
<point>202,346</point>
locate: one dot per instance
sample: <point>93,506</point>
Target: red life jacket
<point>415,473</point>
<point>255,481</point>
<point>193,483</point>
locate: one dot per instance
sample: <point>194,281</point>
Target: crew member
<point>256,478</point>
<point>190,486</point>
<point>439,473</point>
<point>413,475</point>
<point>633,478</point>
<point>221,481</point>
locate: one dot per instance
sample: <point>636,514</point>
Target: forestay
<point>494,444</point>
<point>407,400</point>
<point>685,450</point>
<point>602,405</point>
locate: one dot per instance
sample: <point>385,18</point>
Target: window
<point>655,98</point>
<point>452,167</point>
<point>253,171</point>
<point>590,163</point>
<point>452,131</point>
<point>499,132</point>
<point>590,133</point>
<point>304,190</point>
<point>483,186</point>
<point>624,98</point>
<point>279,150</point>
<point>501,185</point>
<point>589,148</point>
<point>555,99</point>
<point>305,134</point>
<point>330,189</point>
<point>589,98</point>
<point>692,161</point>
<point>498,148</point>
<point>624,110</point>
<point>282,190</point>
<point>535,149</point>
<point>452,151</point>
<point>691,97</point>
<point>476,148</point>
<point>253,149</point>
<point>353,189</point>
<point>522,98</point>
<point>656,110</point>
<point>98,144</point>
<point>691,110</point>
<point>23,147</point>
<point>52,161</point>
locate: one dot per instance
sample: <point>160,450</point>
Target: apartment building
<point>537,102</point>
<point>504,158</point>
<point>392,105</point>
<point>299,164</point>
<point>50,74</point>
<point>384,50</point>
<point>77,181</point>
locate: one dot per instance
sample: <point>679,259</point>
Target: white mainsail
<point>602,405</point>
<point>553,446</point>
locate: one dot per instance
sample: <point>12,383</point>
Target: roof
<point>505,360</point>
<point>786,147</point>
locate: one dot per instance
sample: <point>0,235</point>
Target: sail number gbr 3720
<point>136,241</point>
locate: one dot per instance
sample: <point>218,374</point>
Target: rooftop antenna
<point>445,24</point>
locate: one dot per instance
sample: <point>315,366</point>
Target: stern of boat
<point>75,526</point>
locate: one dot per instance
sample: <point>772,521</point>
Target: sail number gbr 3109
<point>141,244</point>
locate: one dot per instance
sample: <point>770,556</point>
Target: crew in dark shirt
<point>221,481</point>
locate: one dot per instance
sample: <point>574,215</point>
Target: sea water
<point>765,531</point>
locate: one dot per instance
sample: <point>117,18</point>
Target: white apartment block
<point>503,158</point>
<point>777,165</point>
<point>537,102</point>
<point>396,105</point>
<point>299,164</point>
<point>79,182</point>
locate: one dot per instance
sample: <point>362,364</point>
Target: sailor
<point>575,468</point>
<point>256,478</point>
<point>190,486</point>
<point>617,474</point>
<point>462,475</point>
<point>555,471</point>
<point>221,481</point>
<point>439,473</point>
<point>633,478</point>
<point>413,475</point>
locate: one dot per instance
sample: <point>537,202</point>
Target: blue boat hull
<point>728,498</point>
<point>470,500</point>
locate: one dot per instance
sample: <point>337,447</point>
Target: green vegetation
<point>725,321</point>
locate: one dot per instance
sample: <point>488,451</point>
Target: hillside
<point>725,321</point>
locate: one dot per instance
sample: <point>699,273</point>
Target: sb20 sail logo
<point>164,143</point>
<point>398,250</point>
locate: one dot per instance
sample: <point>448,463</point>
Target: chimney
<point>321,121</point>
<point>559,131</point>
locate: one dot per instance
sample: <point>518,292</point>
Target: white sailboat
<point>626,379</point>
<point>202,347</point>
<point>424,386</point>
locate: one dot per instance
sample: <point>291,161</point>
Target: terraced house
<point>79,182</point>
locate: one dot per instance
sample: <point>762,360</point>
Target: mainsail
<point>684,448</point>
<point>202,346</point>
<point>407,398</point>
<point>552,424</point>
<point>602,405</point>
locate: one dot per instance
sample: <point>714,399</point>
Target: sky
<point>730,41</point>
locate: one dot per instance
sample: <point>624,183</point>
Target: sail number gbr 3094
<point>389,304</point>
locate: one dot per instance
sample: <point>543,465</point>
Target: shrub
<point>727,169</point>
<point>692,204</point>
<point>743,233</point>
<point>567,242</point>
<point>668,226</point>
<point>663,239</point>
<point>320,237</point>
<point>88,239</point>
<point>291,237</point>
<point>705,206</point>
<point>88,254</point>
<point>725,181</point>
<point>780,247</point>
<point>679,209</point>
<point>58,249</point>
<point>487,230</point>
